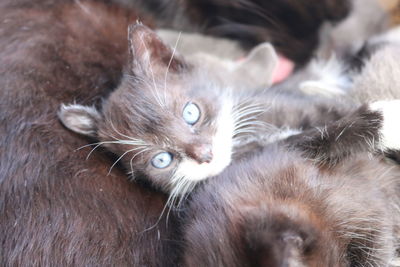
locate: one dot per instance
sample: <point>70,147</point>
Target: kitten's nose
<point>200,152</point>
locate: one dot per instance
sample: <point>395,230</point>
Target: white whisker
<point>112,166</point>
<point>123,135</point>
<point>134,156</point>
<point>122,142</point>
<point>91,151</point>
<point>154,91</point>
<point>169,65</point>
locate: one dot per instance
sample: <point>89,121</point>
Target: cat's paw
<point>327,78</point>
<point>321,88</point>
<point>390,130</point>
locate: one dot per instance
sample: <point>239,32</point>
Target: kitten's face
<point>182,136</point>
<point>167,120</point>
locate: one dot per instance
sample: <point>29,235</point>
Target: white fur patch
<point>222,150</point>
<point>392,36</point>
<point>330,80</point>
<point>390,131</point>
<point>395,262</point>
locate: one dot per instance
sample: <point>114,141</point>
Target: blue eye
<point>162,160</point>
<point>191,113</point>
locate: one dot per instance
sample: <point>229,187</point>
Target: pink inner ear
<point>283,69</point>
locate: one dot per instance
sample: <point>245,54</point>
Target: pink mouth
<point>283,69</point>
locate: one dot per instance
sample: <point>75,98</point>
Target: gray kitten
<point>167,120</point>
<point>177,123</point>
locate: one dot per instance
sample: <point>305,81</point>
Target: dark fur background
<point>291,25</point>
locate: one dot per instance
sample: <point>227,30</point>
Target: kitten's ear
<point>262,61</point>
<point>149,55</point>
<point>80,119</point>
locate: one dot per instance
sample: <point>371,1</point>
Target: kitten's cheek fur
<point>390,130</point>
<point>223,140</point>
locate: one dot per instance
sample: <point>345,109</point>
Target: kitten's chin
<point>193,171</point>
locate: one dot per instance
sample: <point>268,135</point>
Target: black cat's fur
<point>324,200</point>
<point>58,208</point>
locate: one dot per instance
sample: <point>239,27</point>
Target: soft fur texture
<point>57,207</point>
<point>291,26</point>
<point>280,215</point>
<point>143,116</point>
<point>380,76</point>
<point>279,209</point>
<point>189,43</point>
<point>367,18</point>
<point>338,59</point>
<point>240,69</point>
<point>371,74</point>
